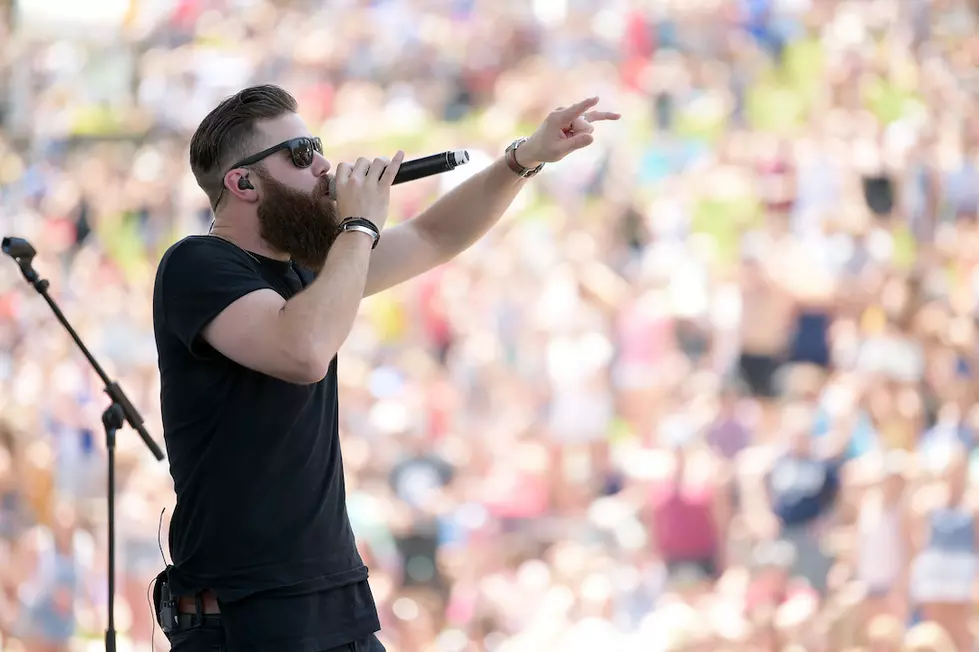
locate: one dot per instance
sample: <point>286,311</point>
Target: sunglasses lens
<point>302,153</point>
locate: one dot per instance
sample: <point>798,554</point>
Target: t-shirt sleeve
<point>201,277</point>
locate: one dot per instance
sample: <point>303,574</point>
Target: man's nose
<point>320,165</point>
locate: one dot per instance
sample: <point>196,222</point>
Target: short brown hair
<point>227,133</point>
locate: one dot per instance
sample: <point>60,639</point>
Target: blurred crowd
<point>710,385</point>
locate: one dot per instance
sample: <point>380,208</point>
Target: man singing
<point>248,321</point>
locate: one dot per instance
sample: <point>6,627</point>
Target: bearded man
<point>248,320</point>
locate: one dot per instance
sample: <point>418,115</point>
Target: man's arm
<point>459,219</point>
<point>756,465</point>
<point>448,227</point>
<point>296,340</point>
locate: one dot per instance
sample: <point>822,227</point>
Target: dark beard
<point>296,223</point>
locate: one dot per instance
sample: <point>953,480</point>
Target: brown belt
<point>209,604</point>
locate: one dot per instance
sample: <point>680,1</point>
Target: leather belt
<point>209,604</point>
<point>190,621</point>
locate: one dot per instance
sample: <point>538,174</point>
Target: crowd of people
<point>710,387</point>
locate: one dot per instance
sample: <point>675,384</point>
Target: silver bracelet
<point>362,229</point>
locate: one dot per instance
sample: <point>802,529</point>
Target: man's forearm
<point>465,214</point>
<point>322,315</point>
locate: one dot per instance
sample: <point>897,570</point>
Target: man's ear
<point>236,182</point>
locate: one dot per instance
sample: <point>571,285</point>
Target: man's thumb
<point>577,142</point>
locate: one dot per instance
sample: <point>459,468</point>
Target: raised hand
<point>364,189</point>
<point>562,132</point>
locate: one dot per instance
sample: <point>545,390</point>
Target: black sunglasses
<point>302,151</point>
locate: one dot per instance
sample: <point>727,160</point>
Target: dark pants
<point>205,633</point>
<point>211,639</point>
<point>759,372</point>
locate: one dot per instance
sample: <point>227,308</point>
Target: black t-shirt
<point>414,480</point>
<point>261,506</point>
<point>803,489</point>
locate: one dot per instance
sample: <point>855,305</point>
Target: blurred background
<point>710,385</point>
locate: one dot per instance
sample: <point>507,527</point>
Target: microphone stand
<point>120,410</point>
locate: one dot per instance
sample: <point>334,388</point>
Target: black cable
<point>149,587</point>
<point>149,604</point>
<point>159,536</point>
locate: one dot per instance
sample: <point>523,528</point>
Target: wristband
<point>362,225</point>
<point>510,156</point>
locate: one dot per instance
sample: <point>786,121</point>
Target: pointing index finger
<point>576,110</point>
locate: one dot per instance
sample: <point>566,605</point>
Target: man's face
<point>295,214</point>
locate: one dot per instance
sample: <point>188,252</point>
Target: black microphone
<point>420,167</point>
<point>18,249</point>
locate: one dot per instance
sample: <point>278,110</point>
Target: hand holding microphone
<point>364,189</point>
<point>421,167</point>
